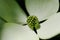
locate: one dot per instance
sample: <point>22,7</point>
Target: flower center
<point>32,22</point>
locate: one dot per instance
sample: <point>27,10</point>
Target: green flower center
<point>32,22</point>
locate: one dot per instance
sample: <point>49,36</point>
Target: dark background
<point>22,4</point>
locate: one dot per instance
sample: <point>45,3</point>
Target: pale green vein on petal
<point>12,31</point>
<point>42,8</point>
<point>50,28</point>
<point>10,11</point>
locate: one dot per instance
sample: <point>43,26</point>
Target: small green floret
<point>32,22</point>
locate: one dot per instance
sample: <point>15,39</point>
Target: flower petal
<point>1,26</point>
<point>10,11</point>
<point>50,28</point>
<point>13,31</point>
<point>42,8</point>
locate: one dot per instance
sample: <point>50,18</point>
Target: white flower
<point>43,9</point>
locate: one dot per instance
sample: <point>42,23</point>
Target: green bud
<point>32,22</point>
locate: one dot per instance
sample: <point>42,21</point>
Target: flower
<point>43,9</point>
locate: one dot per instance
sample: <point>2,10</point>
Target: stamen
<point>32,22</point>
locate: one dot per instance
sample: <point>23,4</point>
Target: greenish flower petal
<point>50,28</point>
<point>42,8</point>
<point>12,31</point>
<point>1,26</point>
<point>11,12</point>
